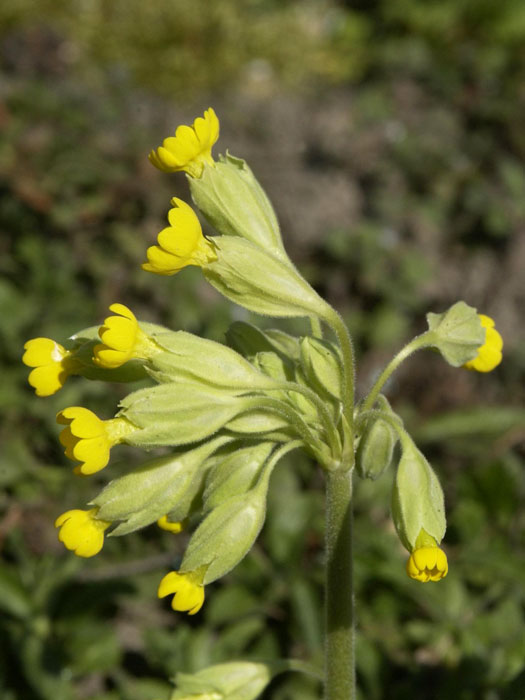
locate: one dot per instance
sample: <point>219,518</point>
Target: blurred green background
<point>389,136</point>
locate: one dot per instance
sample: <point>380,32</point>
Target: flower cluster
<point>230,413</point>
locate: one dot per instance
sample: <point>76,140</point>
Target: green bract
<point>456,333</point>
<point>232,200</point>
<point>417,497</point>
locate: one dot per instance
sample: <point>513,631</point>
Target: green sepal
<point>200,360</point>
<point>236,680</point>
<point>259,281</point>
<point>456,333</point>
<point>234,203</point>
<point>153,490</point>
<point>173,414</point>
<point>417,497</point>
<point>376,445</point>
<point>235,474</point>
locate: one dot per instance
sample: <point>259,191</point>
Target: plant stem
<point>339,604</point>
<point>345,342</point>
<point>421,341</point>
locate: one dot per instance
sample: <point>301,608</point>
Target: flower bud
<point>234,203</point>
<point>236,680</point>
<point>228,532</point>
<point>457,333</point>
<point>254,278</point>
<point>235,474</point>
<point>249,340</point>
<point>417,498</point>
<point>376,446</point>
<point>322,366</point>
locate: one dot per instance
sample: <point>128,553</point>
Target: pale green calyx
<point>456,333</point>
<point>173,414</point>
<point>322,366</point>
<point>229,530</point>
<point>237,680</point>
<point>258,280</point>
<point>158,487</point>
<point>417,497</point>
<point>233,201</point>
<point>192,359</point>
<point>376,444</point>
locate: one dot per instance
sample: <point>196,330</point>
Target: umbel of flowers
<point>225,414</point>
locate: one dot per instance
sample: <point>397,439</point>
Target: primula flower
<point>52,362</point>
<point>489,354</point>
<point>188,590</point>
<point>122,340</point>
<point>427,562</point>
<point>89,439</point>
<point>180,244</point>
<point>174,527</point>
<point>81,532</point>
<point>190,148</point>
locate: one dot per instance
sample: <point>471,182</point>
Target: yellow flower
<point>188,590</point>
<point>427,562</point>
<point>89,439</point>
<point>122,340</point>
<point>81,532</point>
<point>180,244</point>
<point>52,362</point>
<point>190,148</point>
<point>174,527</point>
<point>489,354</point>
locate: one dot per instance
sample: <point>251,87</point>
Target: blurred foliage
<point>433,145</point>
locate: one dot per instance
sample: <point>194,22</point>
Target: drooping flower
<point>489,354</point>
<point>89,439</point>
<point>122,340</point>
<point>52,365</point>
<point>81,531</point>
<point>188,590</point>
<point>427,562</point>
<point>190,148</point>
<point>174,527</point>
<point>180,244</point>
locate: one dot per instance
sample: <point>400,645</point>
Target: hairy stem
<point>422,341</point>
<point>339,604</point>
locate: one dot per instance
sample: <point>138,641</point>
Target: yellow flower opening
<point>489,354</point>
<point>174,527</point>
<point>180,244</point>
<point>427,562</point>
<point>89,439</point>
<point>81,532</point>
<point>190,148</point>
<point>188,590</point>
<point>52,365</point>
<point>122,340</point>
